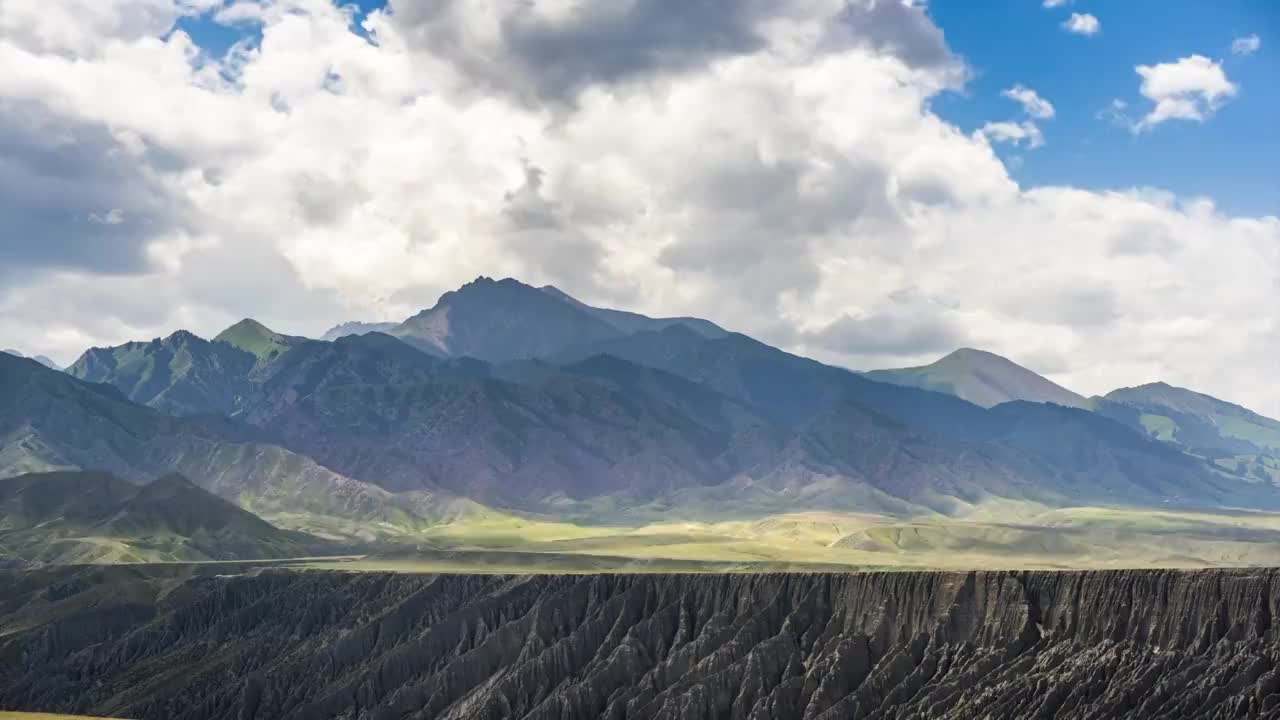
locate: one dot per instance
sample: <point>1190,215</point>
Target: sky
<point>1087,188</point>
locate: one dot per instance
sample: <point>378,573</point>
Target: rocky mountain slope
<point>181,374</point>
<point>770,430</point>
<point>1057,451</point>
<point>96,517</point>
<point>502,320</point>
<point>498,320</point>
<point>629,322</point>
<point>159,644</point>
<point>52,421</point>
<point>982,378</point>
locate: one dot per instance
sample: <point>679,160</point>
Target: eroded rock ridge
<point>160,643</point>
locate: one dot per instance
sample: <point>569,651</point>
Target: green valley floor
<point>1007,535</point>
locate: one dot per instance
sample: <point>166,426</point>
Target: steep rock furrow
<point>181,644</point>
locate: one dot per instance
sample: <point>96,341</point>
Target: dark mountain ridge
<point>50,420</point>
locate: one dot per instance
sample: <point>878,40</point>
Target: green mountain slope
<point>982,378</point>
<point>258,340</point>
<point>96,517</point>
<point>1199,420</point>
<point>1237,439</point>
<point>179,375</point>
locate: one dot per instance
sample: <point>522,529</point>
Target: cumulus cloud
<point>72,195</point>
<point>1082,24</point>
<point>1247,45</point>
<point>557,49</point>
<point>777,169</point>
<point>1191,88</point>
<point>1014,133</point>
<point>1055,3</point>
<point>1031,102</point>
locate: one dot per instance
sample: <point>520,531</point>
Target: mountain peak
<point>183,336</point>
<point>968,352</point>
<point>975,356</point>
<point>247,326</point>
<point>983,378</point>
<point>504,320</point>
<point>500,320</point>
<point>258,339</point>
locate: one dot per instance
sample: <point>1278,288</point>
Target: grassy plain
<point>1010,535</point>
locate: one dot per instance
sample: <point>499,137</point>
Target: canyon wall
<point>172,643</point>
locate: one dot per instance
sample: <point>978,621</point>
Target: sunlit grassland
<point>1010,535</point>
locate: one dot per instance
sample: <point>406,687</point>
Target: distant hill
<point>97,517</point>
<point>982,378</point>
<point>1236,438</point>
<point>43,360</point>
<point>356,328</point>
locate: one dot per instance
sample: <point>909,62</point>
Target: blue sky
<point>1233,157</point>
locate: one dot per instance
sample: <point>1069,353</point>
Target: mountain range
<point>505,400</point>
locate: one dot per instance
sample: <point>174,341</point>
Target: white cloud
<point>788,180</point>
<point>1031,102</point>
<point>1082,24</point>
<point>1247,45</point>
<point>1191,88</point>
<point>1056,3</point>
<point>1011,132</point>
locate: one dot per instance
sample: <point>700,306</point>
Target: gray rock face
<point>159,643</point>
